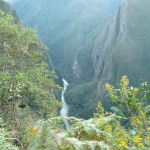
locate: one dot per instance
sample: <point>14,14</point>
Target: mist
<point>11,1</point>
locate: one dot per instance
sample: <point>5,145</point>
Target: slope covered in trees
<point>7,8</point>
<point>26,83</point>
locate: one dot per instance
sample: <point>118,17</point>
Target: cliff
<point>123,46</point>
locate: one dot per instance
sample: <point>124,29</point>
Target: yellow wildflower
<point>122,144</point>
<point>148,129</point>
<point>135,90</point>
<point>137,139</point>
<point>124,81</point>
<point>107,86</point>
<point>108,128</point>
<point>141,144</point>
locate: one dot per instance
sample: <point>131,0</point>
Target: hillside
<point>83,54</point>
<point>26,84</point>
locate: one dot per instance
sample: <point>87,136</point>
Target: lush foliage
<point>120,130</point>
<point>6,142</point>
<point>26,84</point>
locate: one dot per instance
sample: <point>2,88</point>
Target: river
<point>65,107</point>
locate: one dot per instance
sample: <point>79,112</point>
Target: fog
<point>11,1</point>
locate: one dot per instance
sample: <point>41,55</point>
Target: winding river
<point>65,107</point>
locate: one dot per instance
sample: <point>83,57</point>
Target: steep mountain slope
<point>123,48</point>
<point>119,50</point>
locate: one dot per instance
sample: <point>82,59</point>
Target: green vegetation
<point>79,106</point>
<point>124,129</point>
<point>26,84</point>
<point>6,141</point>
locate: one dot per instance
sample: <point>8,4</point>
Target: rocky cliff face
<point>123,46</point>
<point>106,43</point>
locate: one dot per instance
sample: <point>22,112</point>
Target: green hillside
<point>123,46</point>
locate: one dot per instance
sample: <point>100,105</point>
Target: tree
<point>25,78</point>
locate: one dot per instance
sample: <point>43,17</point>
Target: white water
<point>65,107</point>
<point>76,66</point>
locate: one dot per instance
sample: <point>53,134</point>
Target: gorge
<point>91,48</point>
<point>77,23</point>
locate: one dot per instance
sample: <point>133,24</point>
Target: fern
<point>5,141</point>
<point>86,145</point>
<point>43,141</point>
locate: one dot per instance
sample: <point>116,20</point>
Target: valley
<point>78,24</point>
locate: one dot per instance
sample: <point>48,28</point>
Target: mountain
<point>65,26</point>
<point>123,46</point>
<point>69,28</point>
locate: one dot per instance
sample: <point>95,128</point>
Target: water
<point>65,107</point>
<point>76,66</point>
